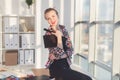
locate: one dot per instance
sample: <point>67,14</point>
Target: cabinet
<point>17,34</point>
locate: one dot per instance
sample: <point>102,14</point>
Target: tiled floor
<point>18,70</point>
<point>24,71</point>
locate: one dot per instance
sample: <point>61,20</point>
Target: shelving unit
<point>0,41</point>
<point>17,34</point>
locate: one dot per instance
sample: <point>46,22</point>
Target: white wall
<point>14,7</point>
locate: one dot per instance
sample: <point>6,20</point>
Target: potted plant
<point>29,3</point>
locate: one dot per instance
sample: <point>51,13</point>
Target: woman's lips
<point>53,22</point>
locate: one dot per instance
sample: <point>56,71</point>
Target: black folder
<point>50,41</point>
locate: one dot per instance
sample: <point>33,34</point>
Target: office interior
<point>93,25</point>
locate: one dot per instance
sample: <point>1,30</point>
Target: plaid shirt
<point>59,52</point>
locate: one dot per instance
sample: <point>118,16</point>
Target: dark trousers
<point>61,70</point>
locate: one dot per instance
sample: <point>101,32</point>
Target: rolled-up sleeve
<point>69,50</point>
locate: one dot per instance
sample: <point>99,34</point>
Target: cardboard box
<point>11,58</point>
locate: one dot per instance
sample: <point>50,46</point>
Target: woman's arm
<point>61,53</point>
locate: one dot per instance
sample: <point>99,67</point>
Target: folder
<point>21,57</point>
<point>50,41</point>
<point>27,56</point>
<point>6,25</point>
<point>31,57</point>
<point>7,41</point>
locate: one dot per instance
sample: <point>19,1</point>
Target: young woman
<point>59,58</point>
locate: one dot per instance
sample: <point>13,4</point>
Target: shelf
<point>26,32</point>
<point>26,48</point>
<point>18,34</point>
<point>9,33</point>
<point>18,30</point>
<point>7,49</point>
<point>27,15</point>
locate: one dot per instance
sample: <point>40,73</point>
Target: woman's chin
<point>53,25</point>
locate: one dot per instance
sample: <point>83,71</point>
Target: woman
<point>60,56</point>
<point>57,54</point>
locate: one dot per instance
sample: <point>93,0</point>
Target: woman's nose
<point>52,19</point>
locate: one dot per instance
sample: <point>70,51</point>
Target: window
<point>82,16</point>
<point>104,31</point>
<point>96,37</point>
<point>104,10</point>
<point>85,10</point>
<point>104,43</point>
<point>81,27</point>
<point>102,74</point>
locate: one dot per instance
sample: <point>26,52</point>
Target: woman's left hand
<point>52,56</point>
<point>59,38</point>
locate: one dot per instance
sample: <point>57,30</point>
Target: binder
<point>7,42</point>
<point>50,41</point>
<point>24,41</point>
<point>12,24</point>
<point>27,41</point>
<point>21,58</point>
<point>14,41</point>
<point>29,54</point>
<point>32,41</point>
<point>6,25</point>
<point>11,41</point>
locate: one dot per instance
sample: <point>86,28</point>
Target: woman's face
<point>52,18</point>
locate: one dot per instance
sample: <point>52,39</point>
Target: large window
<point>85,10</point>
<point>81,26</point>
<point>96,37</point>
<point>104,10</point>
<point>104,43</point>
<point>82,17</point>
<point>101,74</point>
<point>104,30</point>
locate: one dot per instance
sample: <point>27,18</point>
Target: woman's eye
<point>48,18</point>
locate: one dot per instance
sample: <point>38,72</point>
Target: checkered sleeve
<point>69,50</point>
<point>56,51</point>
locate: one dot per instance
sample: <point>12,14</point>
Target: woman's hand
<point>52,57</point>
